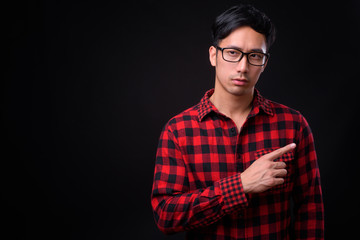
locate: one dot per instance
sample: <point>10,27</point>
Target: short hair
<point>243,15</point>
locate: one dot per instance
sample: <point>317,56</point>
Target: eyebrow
<point>259,50</point>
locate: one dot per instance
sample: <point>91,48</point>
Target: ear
<point>212,56</point>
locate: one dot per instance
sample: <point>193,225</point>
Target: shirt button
<point>233,131</point>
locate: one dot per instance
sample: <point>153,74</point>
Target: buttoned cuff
<point>233,194</point>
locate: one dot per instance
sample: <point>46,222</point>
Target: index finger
<point>278,152</point>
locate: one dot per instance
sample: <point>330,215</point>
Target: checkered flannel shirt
<point>197,186</point>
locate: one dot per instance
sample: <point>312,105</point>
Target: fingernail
<point>292,145</point>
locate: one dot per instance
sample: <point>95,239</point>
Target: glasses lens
<point>232,55</point>
<point>257,58</point>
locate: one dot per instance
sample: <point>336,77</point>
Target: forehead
<point>244,38</point>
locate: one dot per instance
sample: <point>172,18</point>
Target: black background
<point>88,86</point>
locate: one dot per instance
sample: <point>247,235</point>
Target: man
<point>236,165</point>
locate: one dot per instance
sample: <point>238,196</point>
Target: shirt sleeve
<point>177,208</point>
<point>308,203</point>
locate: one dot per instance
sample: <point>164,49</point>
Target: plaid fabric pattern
<point>197,181</point>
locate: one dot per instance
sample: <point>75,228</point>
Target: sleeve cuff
<point>232,192</point>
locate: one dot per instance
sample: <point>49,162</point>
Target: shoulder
<point>274,109</point>
<point>287,114</point>
<point>279,108</point>
<point>189,118</point>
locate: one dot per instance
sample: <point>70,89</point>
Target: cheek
<point>222,71</point>
<point>255,74</point>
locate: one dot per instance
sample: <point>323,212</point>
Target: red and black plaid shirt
<point>197,186</point>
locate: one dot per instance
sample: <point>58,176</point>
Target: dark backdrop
<point>88,86</point>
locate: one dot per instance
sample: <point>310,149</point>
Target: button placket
<point>233,132</point>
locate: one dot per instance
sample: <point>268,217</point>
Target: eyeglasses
<point>235,55</point>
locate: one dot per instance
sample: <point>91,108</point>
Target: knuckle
<point>269,165</point>
<point>272,182</point>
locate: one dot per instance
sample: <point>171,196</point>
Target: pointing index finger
<point>279,152</point>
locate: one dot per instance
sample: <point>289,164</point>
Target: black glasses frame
<point>267,55</point>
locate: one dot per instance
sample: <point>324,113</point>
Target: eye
<point>256,56</point>
<point>232,53</point>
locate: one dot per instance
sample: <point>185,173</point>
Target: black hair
<point>243,15</point>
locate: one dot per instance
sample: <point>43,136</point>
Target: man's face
<point>238,78</point>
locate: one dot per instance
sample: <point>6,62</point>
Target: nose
<point>242,65</point>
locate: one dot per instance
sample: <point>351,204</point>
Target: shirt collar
<point>260,103</point>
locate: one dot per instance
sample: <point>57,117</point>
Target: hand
<point>264,173</point>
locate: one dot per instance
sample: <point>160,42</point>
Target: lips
<point>239,81</point>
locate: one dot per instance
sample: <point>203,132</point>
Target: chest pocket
<point>288,158</point>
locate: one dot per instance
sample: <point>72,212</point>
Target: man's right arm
<point>175,207</point>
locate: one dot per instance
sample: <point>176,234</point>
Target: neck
<point>230,104</point>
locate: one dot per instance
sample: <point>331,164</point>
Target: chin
<point>240,91</point>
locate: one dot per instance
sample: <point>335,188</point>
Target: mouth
<point>239,81</point>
